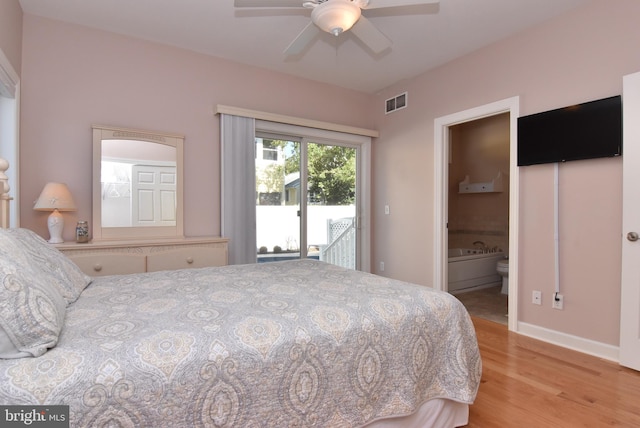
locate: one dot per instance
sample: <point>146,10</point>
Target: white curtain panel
<point>238,187</point>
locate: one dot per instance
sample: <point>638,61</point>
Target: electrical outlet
<point>558,301</point>
<point>381,266</point>
<point>536,298</point>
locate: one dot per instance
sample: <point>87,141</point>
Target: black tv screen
<point>583,131</point>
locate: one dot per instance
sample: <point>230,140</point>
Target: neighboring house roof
<point>292,180</point>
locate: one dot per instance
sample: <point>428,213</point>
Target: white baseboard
<point>576,343</point>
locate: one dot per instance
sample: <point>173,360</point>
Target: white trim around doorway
<point>441,172</point>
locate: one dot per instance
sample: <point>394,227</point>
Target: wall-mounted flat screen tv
<point>584,131</point>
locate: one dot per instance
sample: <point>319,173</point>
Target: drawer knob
<point>97,267</point>
<point>190,260</point>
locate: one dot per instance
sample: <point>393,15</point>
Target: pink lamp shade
<point>55,197</point>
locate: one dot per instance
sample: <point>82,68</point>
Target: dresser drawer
<point>191,257</point>
<point>110,264</point>
<point>137,256</point>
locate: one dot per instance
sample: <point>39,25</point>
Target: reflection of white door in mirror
<point>137,184</point>
<point>153,195</point>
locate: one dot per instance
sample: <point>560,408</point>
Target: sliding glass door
<point>306,200</point>
<point>277,199</point>
<point>331,203</point>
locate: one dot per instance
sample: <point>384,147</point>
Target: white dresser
<point>136,256</point>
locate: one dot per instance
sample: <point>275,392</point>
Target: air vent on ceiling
<point>396,103</point>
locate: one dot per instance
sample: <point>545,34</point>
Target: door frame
<point>441,193</point>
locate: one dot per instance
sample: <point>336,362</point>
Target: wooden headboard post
<point>4,194</point>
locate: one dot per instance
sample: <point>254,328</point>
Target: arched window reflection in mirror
<point>137,184</point>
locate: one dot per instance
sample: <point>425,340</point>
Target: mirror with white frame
<point>137,184</point>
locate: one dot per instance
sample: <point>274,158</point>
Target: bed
<point>285,344</point>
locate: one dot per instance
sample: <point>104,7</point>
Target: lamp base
<point>55,222</point>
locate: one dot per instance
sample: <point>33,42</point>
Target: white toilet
<point>503,270</point>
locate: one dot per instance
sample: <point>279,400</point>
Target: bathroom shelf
<point>493,186</point>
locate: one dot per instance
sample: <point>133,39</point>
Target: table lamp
<point>55,197</point>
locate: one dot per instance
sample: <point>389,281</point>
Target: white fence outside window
<point>279,225</point>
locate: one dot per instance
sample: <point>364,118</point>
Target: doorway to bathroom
<point>478,215</point>
<point>476,188</point>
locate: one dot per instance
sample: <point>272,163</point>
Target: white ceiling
<point>423,37</point>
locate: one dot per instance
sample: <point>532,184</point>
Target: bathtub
<point>471,269</point>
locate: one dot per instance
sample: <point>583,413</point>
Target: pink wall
<point>578,57</point>
<point>11,32</point>
<point>74,77</point>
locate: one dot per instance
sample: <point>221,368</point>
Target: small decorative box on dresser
<point>123,257</point>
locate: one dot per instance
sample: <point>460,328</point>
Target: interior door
<point>153,195</point>
<point>630,305</point>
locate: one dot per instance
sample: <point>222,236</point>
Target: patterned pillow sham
<point>28,250</point>
<point>32,312</point>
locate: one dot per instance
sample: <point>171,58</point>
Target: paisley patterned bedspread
<point>299,343</point>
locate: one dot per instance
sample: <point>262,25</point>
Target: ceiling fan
<point>336,17</point>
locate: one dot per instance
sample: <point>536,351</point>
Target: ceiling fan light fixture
<point>336,16</point>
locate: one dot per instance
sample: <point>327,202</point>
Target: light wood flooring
<point>529,383</point>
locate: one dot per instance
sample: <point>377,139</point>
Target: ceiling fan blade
<point>303,39</point>
<point>379,4</point>
<point>267,3</point>
<point>370,35</point>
